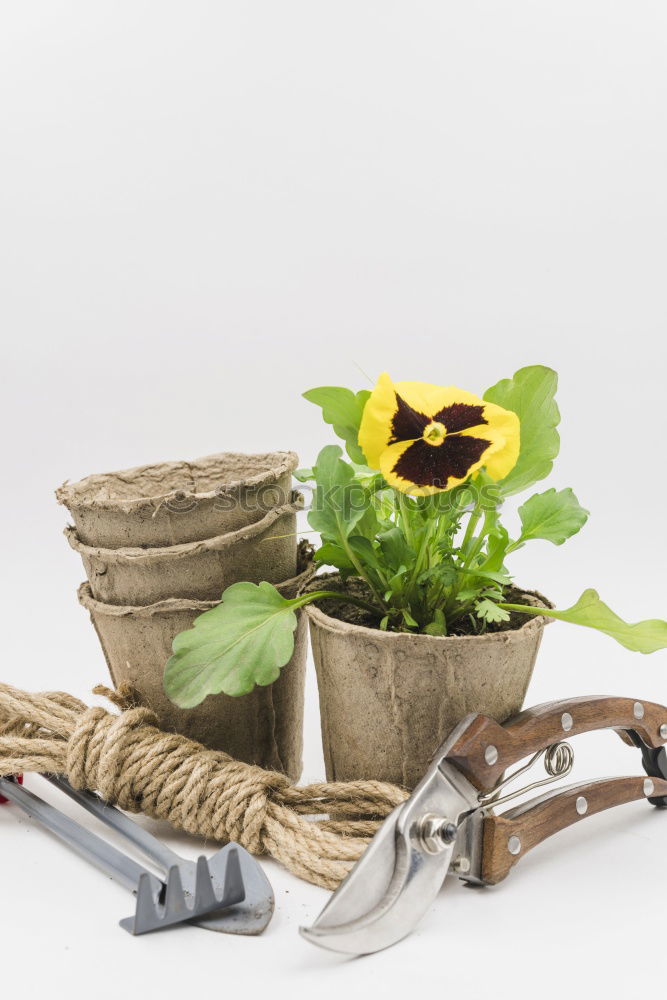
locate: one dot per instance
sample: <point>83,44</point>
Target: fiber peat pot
<point>265,550</point>
<point>388,699</point>
<point>175,502</point>
<point>264,727</point>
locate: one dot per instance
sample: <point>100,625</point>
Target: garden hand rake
<point>231,881</point>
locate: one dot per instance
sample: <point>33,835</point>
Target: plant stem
<point>360,569</point>
<point>473,521</point>
<point>405,517</point>
<point>526,609</point>
<point>335,595</point>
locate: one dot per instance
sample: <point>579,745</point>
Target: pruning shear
<point>449,822</point>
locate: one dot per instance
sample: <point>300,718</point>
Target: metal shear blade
<point>401,871</point>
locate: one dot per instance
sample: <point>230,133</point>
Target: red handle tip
<point>19,778</point>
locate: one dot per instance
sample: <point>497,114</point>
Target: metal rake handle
<point>87,844</point>
<point>150,846</point>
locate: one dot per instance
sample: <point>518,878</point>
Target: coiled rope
<point>129,761</point>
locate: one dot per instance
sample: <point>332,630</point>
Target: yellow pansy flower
<point>426,438</point>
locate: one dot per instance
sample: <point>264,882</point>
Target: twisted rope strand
<point>129,761</point>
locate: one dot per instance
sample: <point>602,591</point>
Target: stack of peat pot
<point>160,543</point>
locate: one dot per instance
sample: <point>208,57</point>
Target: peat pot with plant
<point>417,620</point>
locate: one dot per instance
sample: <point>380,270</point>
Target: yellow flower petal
<point>429,399</point>
<point>375,428</point>
<point>505,422</point>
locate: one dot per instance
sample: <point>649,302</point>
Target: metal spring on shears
<point>558,762</point>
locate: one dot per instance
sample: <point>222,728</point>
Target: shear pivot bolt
<point>491,755</point>
<point>435,833</point>
<point>566,722</point>
<point>514,845</point>
<point>649,787</point>
<point>582,805</point>
<point>638,710</point>
<point>663,731</point>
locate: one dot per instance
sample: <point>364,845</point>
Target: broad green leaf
<point>365,552</point>
<point>330,554</point>
<point>339,501</point>
<point>553,516</point>
<point>241,642</point>
<point>371,480</point>
<point>530,394</point>
<point>642,637</point>
<point>304,475</point>
<point>367,526</point>
<point>395,549</point>
<point>343,409</point>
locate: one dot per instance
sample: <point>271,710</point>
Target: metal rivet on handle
<point>566,722</point>
<point>638,710</point>
<point>514,845</point>
<point>582,805</point>
<point>649,787</point>
<point>663,731</point>
<point>461,865</point>
<point>491,755</point>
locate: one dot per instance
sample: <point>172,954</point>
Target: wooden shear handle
<point>485,749</point>
<point>507,838</point>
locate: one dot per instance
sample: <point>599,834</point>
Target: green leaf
<point>304,475</point>
<point>491,612</point>
<point>339,501</point>
<point>241,642</point>
<point>642,637</point>
<point>365,552</point>
<point>438,626</point>
<point>443,574</point>
<point>330,554</point>
<point>496,549</point>
<point>395,549</point>
<point>530,394</point>
<point>553,516</point>
<point>343,409</point>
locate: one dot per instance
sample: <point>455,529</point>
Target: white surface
<point>208,208</point>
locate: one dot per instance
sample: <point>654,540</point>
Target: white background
<point>207,208</point>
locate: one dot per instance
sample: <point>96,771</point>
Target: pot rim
<point>320,619</point>
<point>184,549</point>
<point>172,604</point>
<point>74,495</point>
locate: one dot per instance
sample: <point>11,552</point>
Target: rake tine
<point>234,890</point>
<point>144,914</point>
<point>205,897</point>
<point>175,905</point>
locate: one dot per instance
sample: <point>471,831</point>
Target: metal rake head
<point>160,905</point>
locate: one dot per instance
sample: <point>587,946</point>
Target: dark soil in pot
<point>359,616</point>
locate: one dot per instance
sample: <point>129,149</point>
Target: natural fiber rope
<point>128,760</point>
